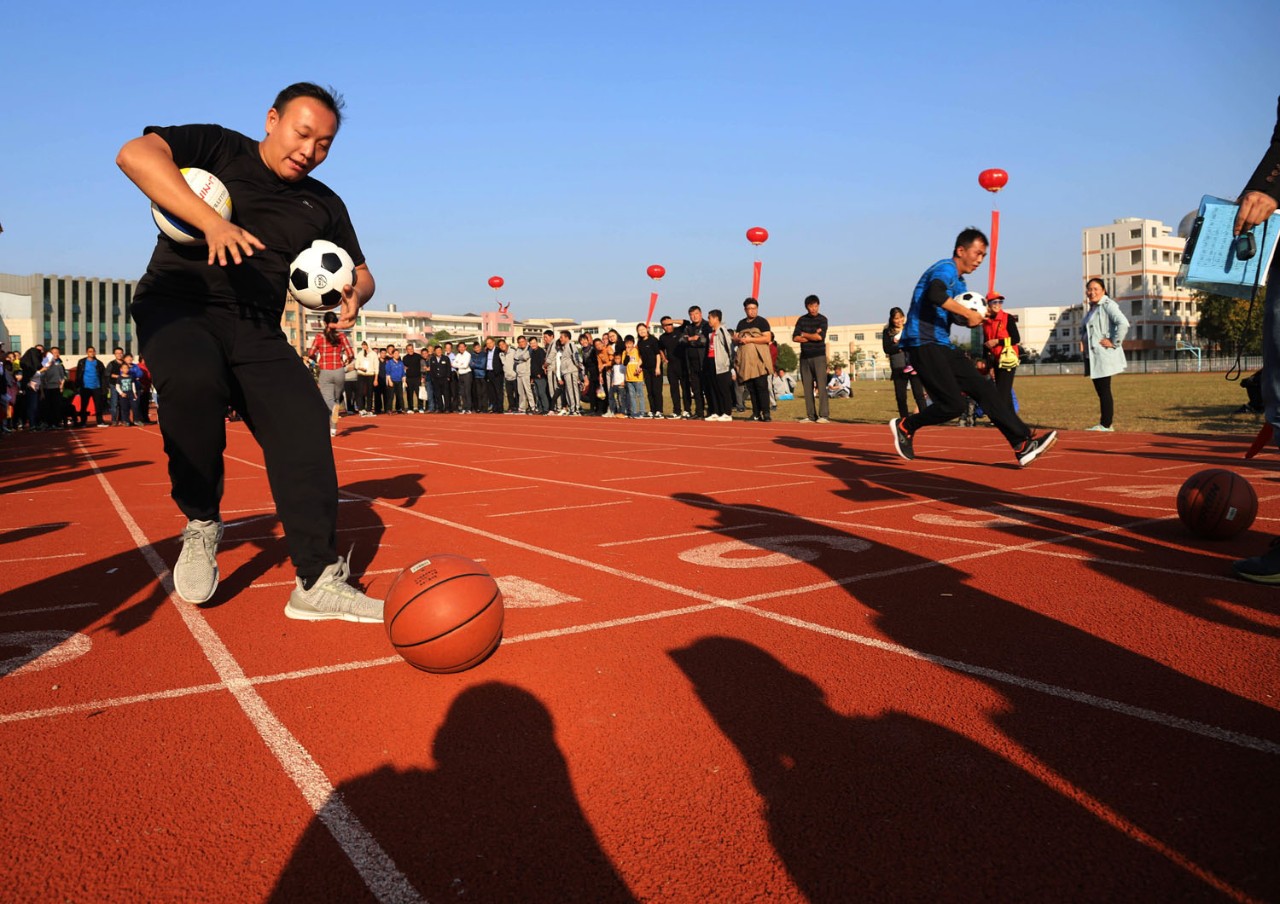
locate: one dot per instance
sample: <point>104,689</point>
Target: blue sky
<point>568,146</point>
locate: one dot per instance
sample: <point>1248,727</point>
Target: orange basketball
<point>1217,504</point>
<point>444,614</point>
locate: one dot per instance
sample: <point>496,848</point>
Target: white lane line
<point>1058,483</point>
<point>1138,712</point>
<point>258,585</point>
<point>374,865</point>
<point>110,703</point>
<point>896,505</point>
<point>266,513</point>
<point>490,461</point>
<point>646,476</point>
<point>280,536</point>
<point>995,550</point>
<point>693,533</point>
<point>50,609</point>
<point>1225,577</point>
<point>562,508</point>
<point>763,486</point>
<point>430,495</point>
<point>65,555</point>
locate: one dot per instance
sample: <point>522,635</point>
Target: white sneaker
<point>1098,428</point>
<point>823,420</point>
<point>195,576</point>
<point>332,597</point>
<point>725,417</point>
<point>333,431</point>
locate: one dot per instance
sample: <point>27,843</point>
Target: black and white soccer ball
<point>974,301</point>
<point>318,274</point>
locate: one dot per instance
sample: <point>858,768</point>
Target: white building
<point>1138,260</point>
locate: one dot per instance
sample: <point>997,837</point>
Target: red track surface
<point>742,662</point>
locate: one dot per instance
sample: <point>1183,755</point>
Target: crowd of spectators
<point>701,367</point>
<point>695,368</point>
<point>40,393</point>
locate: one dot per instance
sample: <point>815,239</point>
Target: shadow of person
<point>409,487</point>
<point>35,530</point>
<point>497,819</point>
<point>1132,723</point>
<point>895,807</point>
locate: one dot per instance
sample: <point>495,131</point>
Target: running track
<point>741,662</point>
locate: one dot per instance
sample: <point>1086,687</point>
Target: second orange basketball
<point>444,614</point>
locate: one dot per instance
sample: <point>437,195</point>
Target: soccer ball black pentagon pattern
<point>317,275</point>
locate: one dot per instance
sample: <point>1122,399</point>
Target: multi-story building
<point>1138,260</point>
<point>394,327</point>
<point>71,312</point>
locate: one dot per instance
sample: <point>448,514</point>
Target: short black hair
<point>695,308</point>
<point>968,236</point>
<point>811,299</point>
<point>715,312</point>
<point>331,98</point>
<point>746,302</point>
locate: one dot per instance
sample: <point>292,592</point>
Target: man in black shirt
<point>754,330</point>
<point>811,333</point>
<point>650,365</point>
<point>208,321</point>
<point>538,376</point>
<point>677,374</point>
<point>412,362</point>
<point>695,338</point>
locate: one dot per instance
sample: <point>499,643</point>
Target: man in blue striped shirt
<point>948,373</point>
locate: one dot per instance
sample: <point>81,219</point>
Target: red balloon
<point>656,271</point>
<point>496,282</point>
<point>757,235</point>
<point>993,179</point>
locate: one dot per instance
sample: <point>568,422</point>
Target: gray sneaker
<point>332,597</point>
<point>195,576</point>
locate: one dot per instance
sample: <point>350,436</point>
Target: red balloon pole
<point>756,235</point>
<point>995,243</point>
<point>655,272</point>
<point>993,180</point>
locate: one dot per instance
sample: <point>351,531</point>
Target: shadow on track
<point>497,819</point>
<point>1136,769</point>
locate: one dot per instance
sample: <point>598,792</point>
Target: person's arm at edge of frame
<point>1260,197</point>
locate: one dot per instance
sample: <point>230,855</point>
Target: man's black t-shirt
<point>537,363</point>
<point>412,366</point>
<point>285,216</point>
<point>757,322</point>
<point>670,343</point>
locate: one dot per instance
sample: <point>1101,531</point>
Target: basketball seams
<point>479,612</point>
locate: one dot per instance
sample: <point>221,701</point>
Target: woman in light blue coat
<point>1104,331</point>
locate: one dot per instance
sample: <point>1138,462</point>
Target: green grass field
<point>1145,403</point>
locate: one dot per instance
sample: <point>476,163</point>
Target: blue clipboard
<point>1209,262</point>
